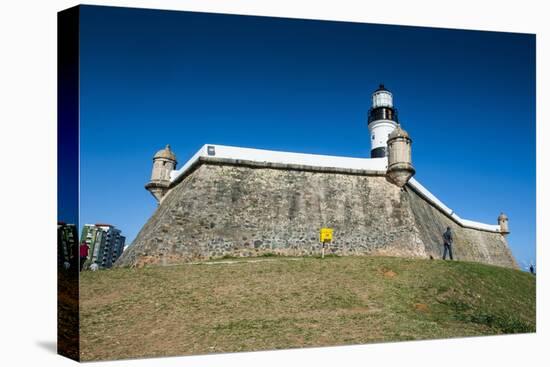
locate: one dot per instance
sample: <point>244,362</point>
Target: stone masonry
<point>238,210</point>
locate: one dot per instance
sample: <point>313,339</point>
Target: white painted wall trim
<point>374,165</point>
<point>436,202</point>
<point>271,156</point>
<point>200,153</point>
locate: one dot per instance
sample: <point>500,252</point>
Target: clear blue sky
<point>149,78</point>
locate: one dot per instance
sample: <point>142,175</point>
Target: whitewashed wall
<point>272,156</point>
<point>435,201</point>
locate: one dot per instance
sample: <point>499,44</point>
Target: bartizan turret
<point>400,168</point>
<point>503,223</point>
<point>164,162</point>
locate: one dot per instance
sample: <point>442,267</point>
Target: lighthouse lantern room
<point>382,121</point>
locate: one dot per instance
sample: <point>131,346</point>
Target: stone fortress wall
<point>253,202</point>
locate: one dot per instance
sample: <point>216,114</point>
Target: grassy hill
<point>273,303</point>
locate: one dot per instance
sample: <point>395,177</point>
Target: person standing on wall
<point>83,254</point>
<point>447,243</point>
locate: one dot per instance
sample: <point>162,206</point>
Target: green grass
<point>299,302</point>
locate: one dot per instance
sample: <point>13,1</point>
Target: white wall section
<point>272,156</point>
<point>421,190</point>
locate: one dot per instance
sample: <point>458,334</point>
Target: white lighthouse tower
<point>382,121</point>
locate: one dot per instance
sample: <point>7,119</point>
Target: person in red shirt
<point>83,254</point>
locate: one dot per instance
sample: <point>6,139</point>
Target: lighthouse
<point>382,121</point>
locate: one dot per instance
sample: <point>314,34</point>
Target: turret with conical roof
<point>165,153</point>
<point>164,162</point>
<point>503,223</point>
<point>400,168</point>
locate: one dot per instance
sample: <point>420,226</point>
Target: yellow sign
<point>325,235</point>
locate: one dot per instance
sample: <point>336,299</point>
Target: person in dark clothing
<point>532,269</point>
<point>83,254</point>
<point>447,243</point>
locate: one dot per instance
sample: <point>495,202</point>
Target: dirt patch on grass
<point>422,307</point>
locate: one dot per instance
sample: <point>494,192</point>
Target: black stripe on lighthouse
<point>379,152</point>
